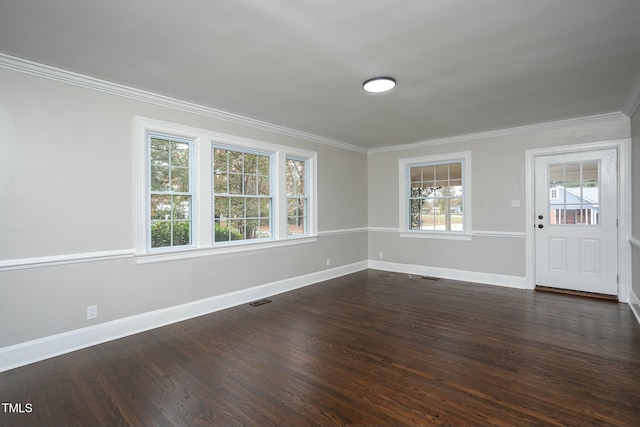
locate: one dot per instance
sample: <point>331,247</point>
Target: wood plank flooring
<point>368,349</point>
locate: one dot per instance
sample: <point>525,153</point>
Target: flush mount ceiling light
<point>379,84</point>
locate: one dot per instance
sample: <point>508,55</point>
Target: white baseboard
<point>448,273</point>
<point>634,303</point>
<point>36,350</point>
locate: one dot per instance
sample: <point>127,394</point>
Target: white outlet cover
<point>92,312</point>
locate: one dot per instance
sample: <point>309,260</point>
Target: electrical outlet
<point>328,262</point>
<point>380,255</point>
<point>515,203</point>
<point>92,312</point>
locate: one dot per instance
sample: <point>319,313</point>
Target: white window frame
<point>149,194</point>
<point>202,243</point>
<point>307,166</point>
<point>404,179</point>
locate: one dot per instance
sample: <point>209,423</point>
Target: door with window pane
<point>576,217</point>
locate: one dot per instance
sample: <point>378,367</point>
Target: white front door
<point>576,221</point>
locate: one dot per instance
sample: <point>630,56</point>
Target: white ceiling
<point>462,66</point>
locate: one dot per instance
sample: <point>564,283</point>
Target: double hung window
<point>201,190</point>
<point>171,191</point>
<point>435,196</point>
<point>242,195</point>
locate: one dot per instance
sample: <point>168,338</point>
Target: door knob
<point>540,226</point>
<point>540,217</point>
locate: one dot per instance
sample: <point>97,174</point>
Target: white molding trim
<point>52,73</point>
<point>633,100</point>
<point>152,257</point>
<point>76,258</point>
<point>69,77</point>
<point>36,350</point>
<point>634,304</point>
<point>474,233</point>
<point>508,234</point>
<point>634,242</point>
<point>445,235</point>
<point>384,229</point>
<point>500,132</point>
<point>80,257</point>
<point>516,282</point>
<point>48,261</point>
<point>624,207</point>
<point>342,231</point>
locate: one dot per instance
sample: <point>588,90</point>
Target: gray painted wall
<point>498,177</point>
<point>66,180</point>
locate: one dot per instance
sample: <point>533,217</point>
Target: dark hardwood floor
<point>368,349</point>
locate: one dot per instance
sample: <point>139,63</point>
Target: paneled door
<point>576,221</point>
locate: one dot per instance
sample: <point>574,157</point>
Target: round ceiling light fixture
<point>379,84</point>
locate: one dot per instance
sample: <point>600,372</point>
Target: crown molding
<point>69,77</point>
<point>500,132</point>
<point>633,100</point>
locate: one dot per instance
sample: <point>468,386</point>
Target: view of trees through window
<point>197,189</point>
<point>436,197</point>
<point>296,197</point>
<point>170,201</point>
<point>241,195</point>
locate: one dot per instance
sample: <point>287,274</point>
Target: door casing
<point>623,147</point>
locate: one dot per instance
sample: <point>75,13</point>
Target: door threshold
<point>571,292</point>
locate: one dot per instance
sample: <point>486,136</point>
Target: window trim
<point>307,166</point>
<point>404,178</point>
<point>202,243</point>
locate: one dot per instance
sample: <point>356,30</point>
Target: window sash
<point>297,196</point>
<point>242,194</point>
<point>169,198</point>
<point>435,196</point>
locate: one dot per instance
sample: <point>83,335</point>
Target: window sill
<point>435,235</point>
<point>193,252</point>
